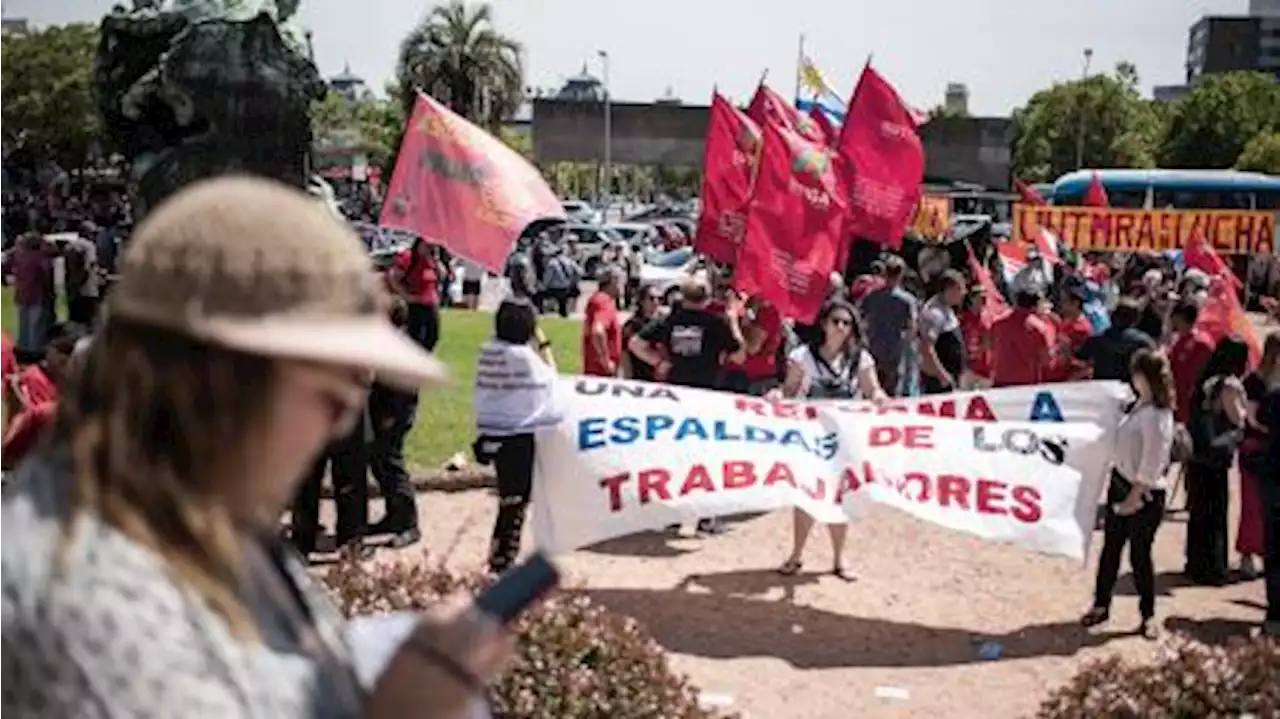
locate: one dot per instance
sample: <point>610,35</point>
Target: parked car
<point>668,270</point>
<point>583,212</point>
<point>642,234</point>
<point>588,243</point>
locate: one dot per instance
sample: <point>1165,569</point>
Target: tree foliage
<point>1211,125</point>
<point>1262,154</point>
<point>458,57</point>
<point>1120,129</point>
<point>48,105</point>
<point>377,123</point>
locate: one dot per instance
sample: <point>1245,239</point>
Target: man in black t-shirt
<point>690,346</point>
<point>1109,353</point>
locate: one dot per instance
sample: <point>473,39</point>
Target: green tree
<point>47,86</point>
<point>377,123</point>
<point>1210,126</point>
<point>1119,128</point>
<point>457,56</point>
<point>1262,154</point>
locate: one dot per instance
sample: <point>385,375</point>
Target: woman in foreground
<point>1136,494</point>
<point>835,367</point>
<point>142,572</point>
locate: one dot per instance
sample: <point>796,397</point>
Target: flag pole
<point>799,70</point>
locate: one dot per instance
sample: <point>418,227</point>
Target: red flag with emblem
<point>795,224</point>
<point>729,157</point>
<point>768,106</point>
<point>882,150</point>
<point>458,186</point>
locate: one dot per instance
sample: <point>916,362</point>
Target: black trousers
<point>424,324</point>
<point>1138,530</point>
<point>1208,489</point>
<point>82,310</point>
<point>348,464</point>
<point>513,463</point>
<point>1270,498</point>
<point>563,299</point>
<point>386,463</point>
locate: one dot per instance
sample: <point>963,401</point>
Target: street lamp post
<point>606,170</point>
<point>1088,56</point>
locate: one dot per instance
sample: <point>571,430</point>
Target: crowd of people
<point>174,439</point>
<point>1197,400</point>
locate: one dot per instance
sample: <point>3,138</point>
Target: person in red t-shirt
<point>1074,329</point>
<point>416,276</point>
<point>8,357</point>
<point>1188,354</point>
<point>602,328</point>
<point>762,338</point>
<point>31,394</point>
<point>976,329</point>
<point>1022,344</point>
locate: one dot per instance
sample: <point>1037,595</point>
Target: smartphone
<point>518,588</point>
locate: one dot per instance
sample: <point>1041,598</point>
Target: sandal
<point>840,571</point>
<point>1094,617</point>
<point>791,568</point>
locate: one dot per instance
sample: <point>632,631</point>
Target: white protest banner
<point>632,456</point>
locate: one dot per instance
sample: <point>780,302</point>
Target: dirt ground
<point>924,602</point>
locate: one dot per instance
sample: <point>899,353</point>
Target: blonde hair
<point>156,423</point>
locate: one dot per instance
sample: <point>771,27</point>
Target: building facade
<point>1228,43</point>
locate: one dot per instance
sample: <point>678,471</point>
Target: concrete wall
<point>966,149</point>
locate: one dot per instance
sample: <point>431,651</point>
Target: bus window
<point>1127,198</point>
<point>1267,200</point>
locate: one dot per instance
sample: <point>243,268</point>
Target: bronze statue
<point>194,88</point>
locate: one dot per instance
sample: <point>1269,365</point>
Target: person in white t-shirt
<point>837,367</point>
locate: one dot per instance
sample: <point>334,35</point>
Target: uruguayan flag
<point>814,91</point>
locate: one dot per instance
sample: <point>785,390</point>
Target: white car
<point>583,212</point>
<point>668,270</point>
<point>640,234</point>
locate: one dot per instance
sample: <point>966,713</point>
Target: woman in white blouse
<point>1136,496</point>
<point>836,367</point>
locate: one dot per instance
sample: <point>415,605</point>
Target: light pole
<point>1088,56</point>
<point>606,173</point>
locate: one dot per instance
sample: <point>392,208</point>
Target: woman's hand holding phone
<point>441,670</point>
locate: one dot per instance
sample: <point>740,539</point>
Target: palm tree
<point>457,57</point>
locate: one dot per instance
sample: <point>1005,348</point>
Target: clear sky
<point>1004,50</point>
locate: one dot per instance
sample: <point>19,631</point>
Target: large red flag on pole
<point>729,157</point>
<point>830,131</point>
<point>884,153</point>
<point>458,186</point>
<point>795,224</point>
<point>1096,194</point>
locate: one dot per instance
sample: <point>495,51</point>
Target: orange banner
<point>1232,232</point>
<point>933,216</point>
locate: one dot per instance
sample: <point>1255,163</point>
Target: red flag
<point>1222,315</point>
<point>795,225</point>
<point>830,131</point>
<point>1047,243</point>
<point>458,186</point>
<point>729,158</point>
<point>1096,195</point>
<point>1028,193</point>
<point>768,106</point>
<point>994,307</point>
<point>1199,254</point>
<point>883,151</point>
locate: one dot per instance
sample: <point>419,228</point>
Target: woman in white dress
<point>836,367</point>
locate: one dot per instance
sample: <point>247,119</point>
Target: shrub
<point>1188,679</point>
<point>573,658</point>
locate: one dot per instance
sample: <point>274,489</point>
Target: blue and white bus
<point>1176,189</point>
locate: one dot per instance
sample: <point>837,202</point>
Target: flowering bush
<point>1189,679</point>
<point>573,659</point>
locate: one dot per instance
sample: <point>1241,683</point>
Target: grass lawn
<point>446,420</point>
